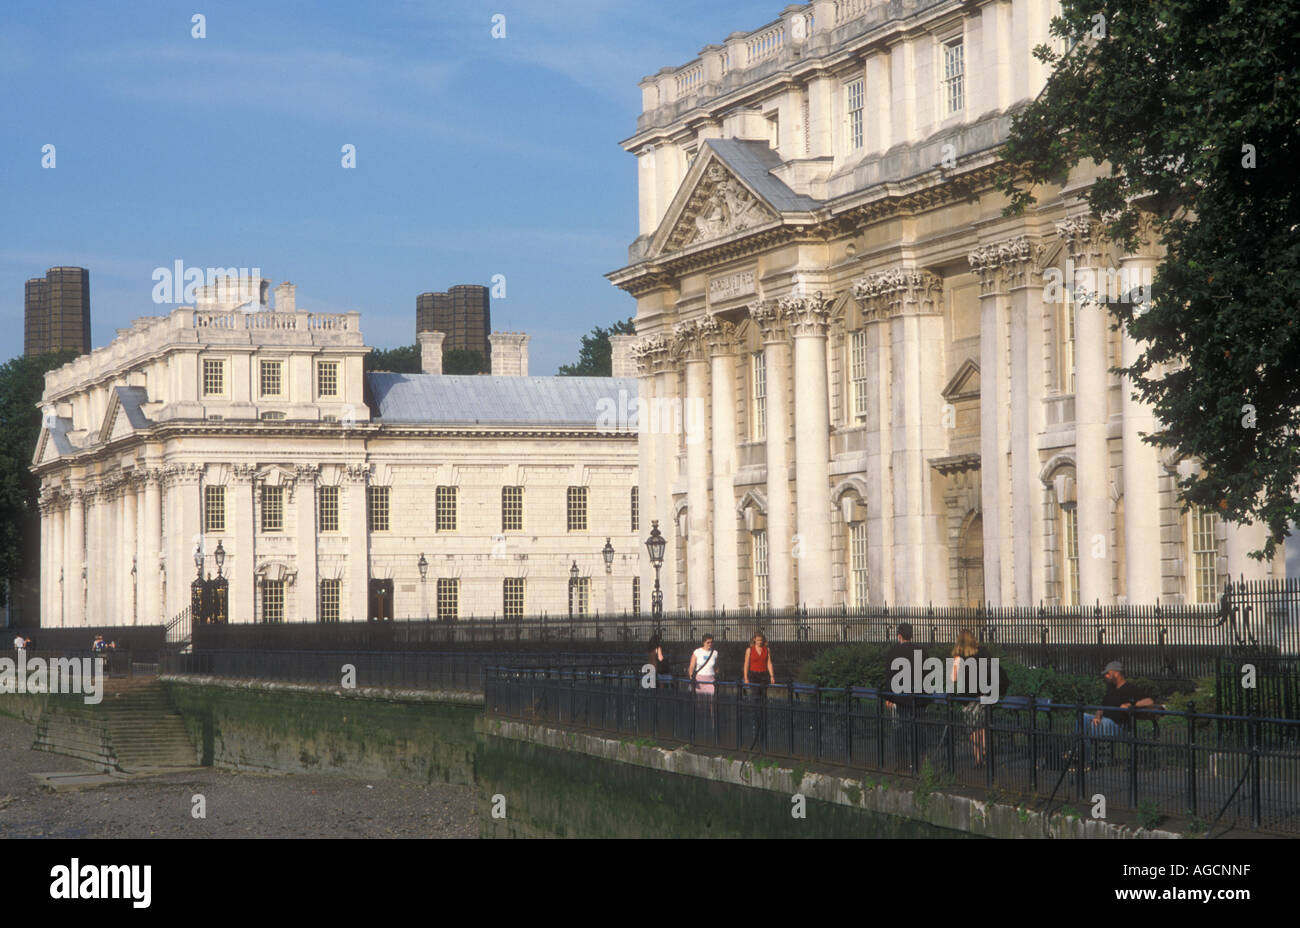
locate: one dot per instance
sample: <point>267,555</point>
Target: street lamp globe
<point>198,559</point>
<point>424,567</point>
<point>607,553</point>
<point>656,544</point>
<point>573,571</point>
<point>219,556</point>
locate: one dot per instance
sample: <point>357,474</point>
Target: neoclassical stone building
<point>256,428</point>
<point>860,382</point>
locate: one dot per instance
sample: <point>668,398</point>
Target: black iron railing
<point>428,670</point>
<point>1207,770</point>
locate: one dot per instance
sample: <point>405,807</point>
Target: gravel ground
<point>239,805</point>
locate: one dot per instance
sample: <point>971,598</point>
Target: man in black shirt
<point>1120,695</point>
<point>905,649</point>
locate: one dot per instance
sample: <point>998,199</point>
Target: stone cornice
<point>899,291</point>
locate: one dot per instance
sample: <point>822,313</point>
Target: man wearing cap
<point>1108,721</point>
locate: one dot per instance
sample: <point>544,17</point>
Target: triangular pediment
<point>713,202</point>
<point>45,448</point>
<point>965,383</point>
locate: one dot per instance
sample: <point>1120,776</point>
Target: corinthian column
<point>73,586</point>
<point>643,353</point>
<point>1142,579</point>
<point>721,337</point>
<point>1085,244</point>
<point>692,350</point>
<point>150,575</point>
<point>770,319</point>
<point>808,319</point>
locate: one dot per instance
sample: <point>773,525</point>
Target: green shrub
<point>848,665</point>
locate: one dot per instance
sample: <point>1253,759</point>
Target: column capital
<point>182,474</point>
<point>1006,264</point>
<point>651,355</point>
<point>307,473</point>
<point>690,342</point>
<point>243,473</point>
<point>899,291</point>
<point>807,315</point>
<point>357,473</point>
<point>770,319</point>
<point>719,334</point>
<point>1085,240</point>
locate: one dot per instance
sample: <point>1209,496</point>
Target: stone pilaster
<point>306,535</point>
<point>74,561</point>
<point>240,544</point>
<point>357,476</point>
<point>150,561</point>
<point>130,555</point>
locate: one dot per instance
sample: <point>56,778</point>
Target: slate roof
<point>450,399</point>
<point>132,398</point>
<point>59,429</point>
<point>753,162</point>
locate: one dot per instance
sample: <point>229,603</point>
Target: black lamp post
<point>573,585</point>
<point>208,598</point>
<point>607,553</point>
<point>424,573</point>
<point>135,592</point>
<point>655,545</point>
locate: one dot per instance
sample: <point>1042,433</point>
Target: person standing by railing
<point>655,657</point>
<point>704,667</point>
<point>758,667</point>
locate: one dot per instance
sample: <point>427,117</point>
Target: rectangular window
<point>760,570</point>
<point>214,377</point>
<point>448,598</point>
<point>512,598</point>
<point>273,601</point>
<point>774,131</point>
<point>954,77</point>
<point>858,563</point>
<point>636,509</point>
<point>853,114</point>
<point>272,378</point>
<point>1070,552</point>
<point>1205,554</point>
<point>858,373</point>
<point>327,505</point>
<point>636,595</point>
<point>758,378</point>
<point>577,509</point>
<point>582,596</point>
<point>273,509</point>
<point>214,509</point>
<point>329,600</point>
<point>446,499</point>
<point>377,506</point>
<point>512,509</point>
<point>327,378</point>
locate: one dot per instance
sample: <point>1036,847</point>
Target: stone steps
<point>134,728</point>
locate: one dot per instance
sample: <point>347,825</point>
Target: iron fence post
<point>817,721</point>
<point>1191,756</point>
<point>1033,743</point>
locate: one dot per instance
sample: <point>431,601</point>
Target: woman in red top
<point>758,661</point>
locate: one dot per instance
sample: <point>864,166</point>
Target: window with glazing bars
<point>758,378</point>
<point>1067,341</point>
<point>760,570</point>
<point>214,377</point>
<point>954,77</point>
<point>445,517</point>
<point>858,563</point>
<point>577,509</point>
<point>272,600</point>
<point>273,509</point>
<point>448,598</point>
<point>858,372</point>
<point>327,378</point>
<point>272,377</point>
<point>1070,552</point>
<point>327,504</point>
<point>636,509</point>
<point>214,509</point>
<point>853,112</point>
<point>1205,554</point>
<point>636,595</point>
<point>377,506</point>
<point>582,596</point>
<point>512,597</point>
<point>512,509</point>
<point>330,591</point>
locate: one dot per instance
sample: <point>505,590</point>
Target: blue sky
<point>475,156</point>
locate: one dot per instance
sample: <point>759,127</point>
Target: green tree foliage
<point>22,380</point>
<point>463,361</point>
<point>403,360</point>
<point>594,359</point>
<point>1194,105</point>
